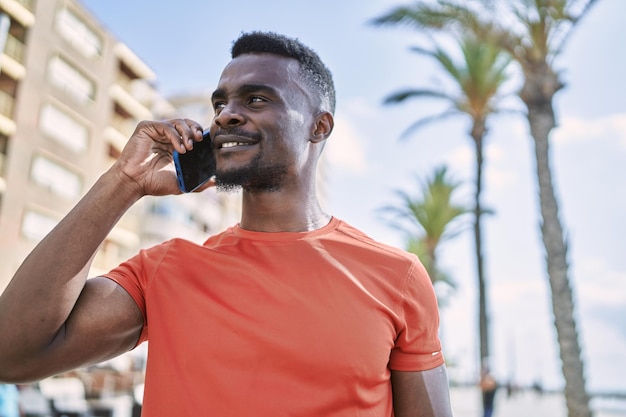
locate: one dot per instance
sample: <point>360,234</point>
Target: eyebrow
<point>245,89</point>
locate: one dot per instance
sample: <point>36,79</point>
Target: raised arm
<point>52,318</point>
<point>421,394</point>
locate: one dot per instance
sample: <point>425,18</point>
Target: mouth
<point>232,142</point>
<point>227,145</point>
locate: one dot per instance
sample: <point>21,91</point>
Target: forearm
<point>46,287</point>
<point>421,394</point>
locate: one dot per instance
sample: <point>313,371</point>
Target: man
<point>488,387</point>
<point>290,312</point>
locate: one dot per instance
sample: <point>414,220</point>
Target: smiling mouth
<point>233,144</point>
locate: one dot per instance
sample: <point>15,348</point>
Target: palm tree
<point>428,220</point>
<point>534,34</point>
<point>535,50</point>
<point>478,79</point>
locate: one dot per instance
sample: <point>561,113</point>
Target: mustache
<point>237,131</point>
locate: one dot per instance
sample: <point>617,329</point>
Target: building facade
<point>70,96</point>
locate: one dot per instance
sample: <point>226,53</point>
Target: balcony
<point>7,125</point>
<point>12,61</point>
<point>124,125</point>
<point>132,63</point>
<point>7,103</point>
<point>20,10</point>
<point>131,104</point>
<point>139,88</point>
<point>119,131</point>
<point>26,3</point>
<point>14,48</point>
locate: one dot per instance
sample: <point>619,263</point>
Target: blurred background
<point>76,77</point>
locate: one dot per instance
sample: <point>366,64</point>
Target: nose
<point>229,116</point>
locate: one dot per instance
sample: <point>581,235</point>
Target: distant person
<point>488,388</point>
<point>510,388</point>
<point>9,401</point>
<point>290,312</point>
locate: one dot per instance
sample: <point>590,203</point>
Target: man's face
<point>263,122</point>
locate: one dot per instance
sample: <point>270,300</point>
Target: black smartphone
<point>197,166</point>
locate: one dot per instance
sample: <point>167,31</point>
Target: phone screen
<point>195,167</point>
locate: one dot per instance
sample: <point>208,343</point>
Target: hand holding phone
<point>197,166</point>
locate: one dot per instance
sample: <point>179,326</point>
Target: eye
<point>218,106</point>
<point>257,99</point>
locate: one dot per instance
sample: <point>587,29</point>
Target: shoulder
<point>359,239</point>
<point>223,238</point>
<point>359,248</point>
<point>162,250</point>
<point>176,245</point>
<point>148,261</point>
<point>385,257</point>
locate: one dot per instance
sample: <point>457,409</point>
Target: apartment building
<point>70,96</point>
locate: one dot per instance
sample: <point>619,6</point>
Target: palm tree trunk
<point>478,133</point>
<point>538,100</point>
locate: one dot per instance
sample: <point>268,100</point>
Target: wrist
<point>122,185</point>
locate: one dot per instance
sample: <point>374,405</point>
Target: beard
<point>254,177</point>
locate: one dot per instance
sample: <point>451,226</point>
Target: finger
<point>167,133</point>
<point>196,129</point>
<point>188,132</point>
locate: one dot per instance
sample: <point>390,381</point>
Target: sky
<point>186,43</point>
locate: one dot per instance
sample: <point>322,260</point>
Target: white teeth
<point>232,144</point>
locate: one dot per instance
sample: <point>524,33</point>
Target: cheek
<point>289,133</point>
<point>298,128</point>
<point>296,117</point>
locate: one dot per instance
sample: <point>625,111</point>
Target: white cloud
<point>506,155</point>
<point>509,293</point>
<point>494,153</point>
<point>604,288</point>
<point>360,107</point>
<point>618,124</point>
<point>604,356</point>
<point>461,159</point>
<point>575,130</point>
<point>499,178</point>
<point>344,149</point>
<point>499,173</point>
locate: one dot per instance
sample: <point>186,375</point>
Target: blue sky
<point>188,45</point>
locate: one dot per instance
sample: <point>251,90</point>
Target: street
<point>527,403</point>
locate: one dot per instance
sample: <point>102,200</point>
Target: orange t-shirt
<point>280,324</point>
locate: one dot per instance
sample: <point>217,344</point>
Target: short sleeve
<point>135,275</point>
<point>417,346</point>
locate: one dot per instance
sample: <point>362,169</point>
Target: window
<point>63,128</point>
<point>67,78</point>
<point>78,33</point>
<point>36,225</point>
<point>168,209</point>
<point>56,178</point>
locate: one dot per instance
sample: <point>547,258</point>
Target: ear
<point>323,126</point>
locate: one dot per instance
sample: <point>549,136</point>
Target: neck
<point>274,212</point>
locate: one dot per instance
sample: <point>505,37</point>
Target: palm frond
<point>403,95</point>
<point>419,124</point>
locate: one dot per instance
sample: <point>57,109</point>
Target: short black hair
<point>312,69</point>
